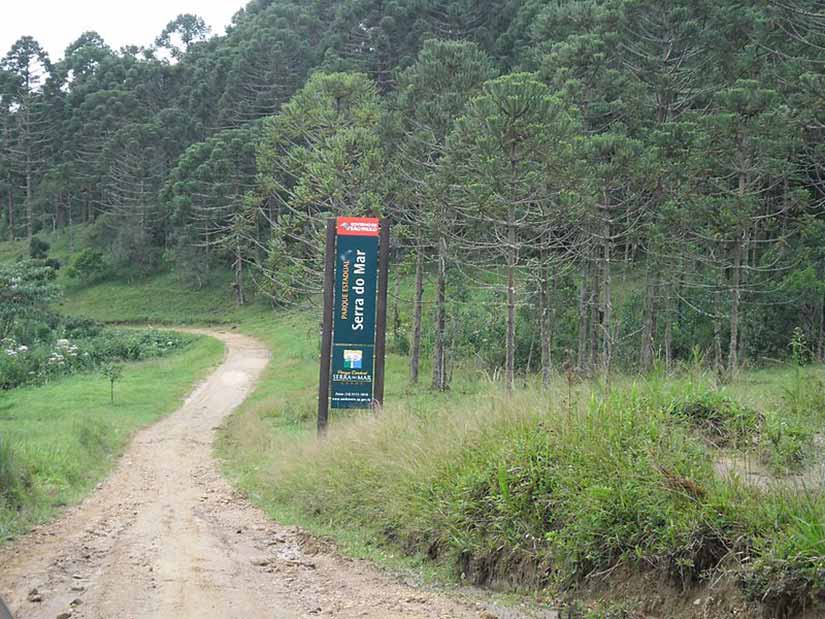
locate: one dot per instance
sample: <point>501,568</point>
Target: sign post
<point>381,314</point>
<point>326,329</point>
<point>354,325</point>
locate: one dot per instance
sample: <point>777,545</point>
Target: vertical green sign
<point>353,339</point>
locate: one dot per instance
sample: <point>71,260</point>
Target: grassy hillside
<point>52,454</point>
<point>161,299</point>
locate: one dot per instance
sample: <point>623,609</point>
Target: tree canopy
<point>619,181</point>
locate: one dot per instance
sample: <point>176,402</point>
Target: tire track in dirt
<point>167,537</point>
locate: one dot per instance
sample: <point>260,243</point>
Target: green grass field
<point>57,441</point>
<point>159,300</point>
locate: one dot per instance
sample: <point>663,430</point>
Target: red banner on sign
<point>358,226</point>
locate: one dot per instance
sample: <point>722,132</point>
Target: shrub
<point>26,291</point>
<point>38,248</point>
<point>113,373</point>
<point>74,327</point>
<point>721,419</point>
<point>88,265</point>
<point>611,485</point>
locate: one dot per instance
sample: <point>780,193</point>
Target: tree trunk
<point>440,353</point>
<point>669,330</point>
<point>510,340</point>
<point>12,235</point>
<point>583,318</point>
<point>27,154</point>
<point>59,212</point>
<point>71,227</point>
<point>648,327</point>
<point>736,297</point>
<point>820,340</point>
<point>717,331</point>
<point>418,307</point>
<point>596,324</point>
<point>240,297</point>
<point>396,316</point>
<point>29,205</point>
<point>748,259</point>
<point>545,325</point>
<point>607,307</point>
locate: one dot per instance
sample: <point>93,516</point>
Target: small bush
<point>75,328</point>
<point>38,248</point>
<point>88,265</point>
<point>721,419</point>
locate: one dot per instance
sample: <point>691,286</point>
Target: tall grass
<point>15,482</point>
<point>536,490</point>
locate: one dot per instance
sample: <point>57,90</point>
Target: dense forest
<point>578,184</point>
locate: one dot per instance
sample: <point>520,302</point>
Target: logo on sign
<point>358,226</point>
<point>353,359</point>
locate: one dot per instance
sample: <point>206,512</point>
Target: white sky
<point>56,23</point>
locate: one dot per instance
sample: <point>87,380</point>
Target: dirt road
<point>166,537</point>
